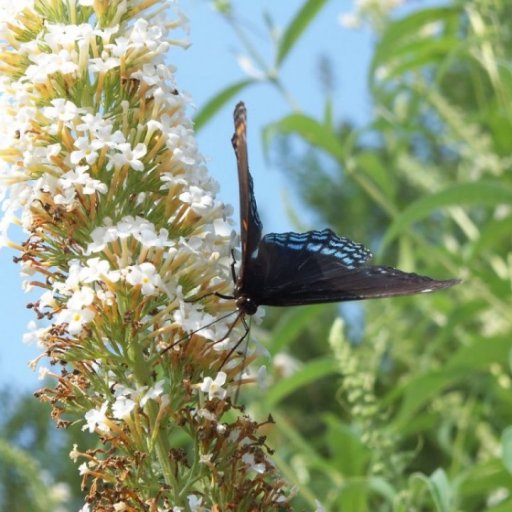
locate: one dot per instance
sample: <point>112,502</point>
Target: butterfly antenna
<point>190,334</point>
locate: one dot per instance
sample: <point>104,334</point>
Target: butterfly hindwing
<point>318,267</point>
<point>325,242</point>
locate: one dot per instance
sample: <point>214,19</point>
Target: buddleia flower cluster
<point>128,246</point>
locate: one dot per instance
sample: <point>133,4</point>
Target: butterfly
<point>293,269</point>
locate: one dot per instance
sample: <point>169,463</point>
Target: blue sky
<point>205,68</point>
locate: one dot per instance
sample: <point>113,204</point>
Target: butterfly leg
<point>217,294</point>
<point>237,392</point>
<point>189,335</point>
<point>239,342</point>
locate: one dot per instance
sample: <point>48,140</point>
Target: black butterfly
<point>292,269</point>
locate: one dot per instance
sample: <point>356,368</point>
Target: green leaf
<point>483,478</point>
<point>312,371</point>
<point>291,324</point>
<point>297,26</point>
<point>506,443</point>
<point>442,491</point>
<point>495,233</point>
<point>28,471</point>
<point>420,390</point>
<point>348,454</point>
<point>218,101</point>
<point>417,54</point>
<point>370,164</point>
<point>309,129</point>
<point>481,354</point>
<point>404,32</point>
<point>439,488</point>
<point>482,193</point>
<point>382,487</point>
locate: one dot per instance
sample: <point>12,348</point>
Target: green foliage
<point>36,472</point>
<point>407,404</point>
<point>297,26</point>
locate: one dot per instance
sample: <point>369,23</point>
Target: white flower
<point>100,129</point>
<point>234,435</point>
<point>35,334</point>
<point>73,279</point>
<point>102,65</point>
<point>199,200</point>
<point>144,275</point>
<point>75,318</point>
<point>82,470</point>
<point>180,140</point>
<point>50,63</point>
<point>148,237</point>
<point>95,270</point>
<point>97,418</point>
<point>63,36</point>
<point>153,392</point>
<point>248,458</point>
<point>122,407</point>
<point>148,36</point>
<point>61,110</point>
<point>194,502</point>
<point>81,298</point>
<point>74,453</point>
<point>43,373</point>
<point>87,150</point>
<point>192,319</point>
<point>222,228</point>
<point>142,230</point>
<point>128,156</point>
<point>205,413</point>
<point>101,236</point>
<point>214,387</point>
<point>47,299</point>
<point>66,198</point>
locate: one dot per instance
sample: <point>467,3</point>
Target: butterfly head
<point>246,305</point>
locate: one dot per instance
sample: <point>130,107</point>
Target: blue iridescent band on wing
<point>326,242</point>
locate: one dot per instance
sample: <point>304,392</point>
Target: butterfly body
<point>291,269</point>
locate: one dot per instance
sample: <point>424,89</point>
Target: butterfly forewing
<point>250,224</point>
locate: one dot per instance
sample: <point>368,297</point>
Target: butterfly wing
<point>250,224</point>
<point>319,266</point>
